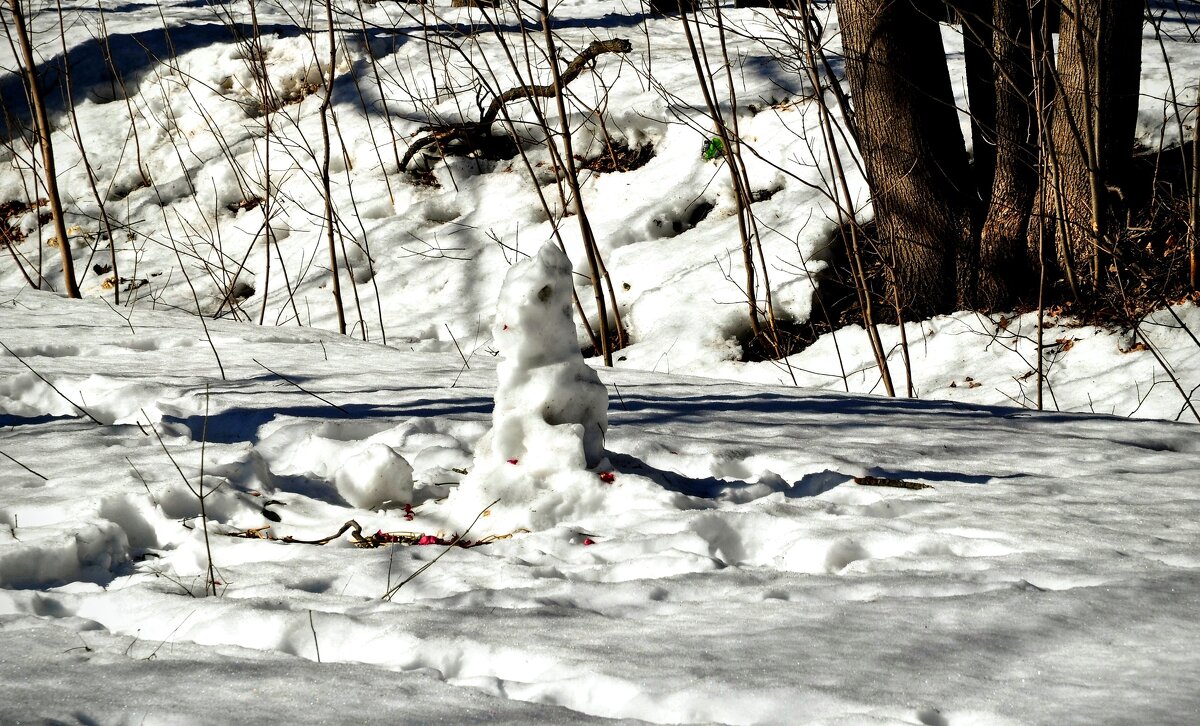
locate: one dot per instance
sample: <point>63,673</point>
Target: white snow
<point>551,410</point>
<point>681,539</point>
<point>375,476</point>
<point>731,571</point>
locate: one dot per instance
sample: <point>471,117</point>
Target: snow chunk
<point>375,475</point>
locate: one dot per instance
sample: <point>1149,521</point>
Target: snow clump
<point>374,476</point>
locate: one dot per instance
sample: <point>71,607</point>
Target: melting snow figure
<point>550,417</point>
<point>551,408</point>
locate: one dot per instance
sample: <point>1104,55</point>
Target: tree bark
<point>1092,125</point>
<point>1001,49</point>
<point>912,147</point>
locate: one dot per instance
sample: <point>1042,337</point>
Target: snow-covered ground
<point>736,573</point>
<point>720,563</point>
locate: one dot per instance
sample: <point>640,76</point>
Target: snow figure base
<point>551,411</point>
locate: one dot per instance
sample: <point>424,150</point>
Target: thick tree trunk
<point>1092,127</point>
<point>912,146</point>
<point>1004,125</point>
<point>977,20</point>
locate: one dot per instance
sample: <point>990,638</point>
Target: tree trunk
<point>912,146</point>
<point>44,130</point>
<point>1001,49</point>
<point>1092,125</point>
<point>977,20</point>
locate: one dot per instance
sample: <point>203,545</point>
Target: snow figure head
<point>549,403</point>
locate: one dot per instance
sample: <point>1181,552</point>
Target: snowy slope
<point>737,573</point>
<point>421,265</point>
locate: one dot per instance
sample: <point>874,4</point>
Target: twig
<point>313,628</point>
<point>879,481</point>
<point>590,247</point>
<point>1187,399</point>
<point>212,574</point>
<point>326,186</point>
<point>619,396</point>
<point>457,347</point>
<point>427,565</point>
<point>169,636</point>
<point>26,468</point>
<point>199,312</point>
<point>302,388</point>
<point>44,141</point>
<point>143,480</point>
<point>154,430</point>
<point>42,378</point>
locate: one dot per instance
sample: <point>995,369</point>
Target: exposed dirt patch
<point>619,157</point>
<point>614,344</point>
<point>10,212</point>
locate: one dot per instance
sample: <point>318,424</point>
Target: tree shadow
<point>133,54</point>
<point>238,425</point>
<point>731,490</point>
<point>138,53</point>
<point>827,418</point>
<point>8,420</point>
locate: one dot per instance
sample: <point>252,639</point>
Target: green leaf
<point>713,148</point>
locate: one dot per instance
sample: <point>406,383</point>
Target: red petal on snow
<point>607,477</point>
<point>512,461</point>
<point>588,541</point>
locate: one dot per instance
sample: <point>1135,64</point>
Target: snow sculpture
<point>550,417</point>
<point>551,408</point>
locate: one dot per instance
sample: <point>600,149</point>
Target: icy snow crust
<point>737,574</point>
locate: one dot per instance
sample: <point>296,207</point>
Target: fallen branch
<point>378,539</point>
<point>478,134</point>
<point>449,546</point>
<point>879,481</point>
